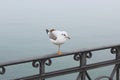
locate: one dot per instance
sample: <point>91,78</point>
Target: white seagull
<point>57,37</point>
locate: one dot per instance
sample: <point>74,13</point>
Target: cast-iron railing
<point>79,55</point>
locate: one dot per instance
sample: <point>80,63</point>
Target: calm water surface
<point>89,23</point>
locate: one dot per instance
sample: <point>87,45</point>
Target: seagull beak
<point>68,37</point>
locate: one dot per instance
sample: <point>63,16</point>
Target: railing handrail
<point>54,55</point>
<point>80,55</point>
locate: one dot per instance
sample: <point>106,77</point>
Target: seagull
<point>57,37</point>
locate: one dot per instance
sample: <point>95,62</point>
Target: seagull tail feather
<point>47,31</point>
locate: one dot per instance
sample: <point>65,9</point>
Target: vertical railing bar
<point>118,57</point>
<point>79,76</point>
<point>113,72</point>
<point>82,75</point>
<point>117,74</point>
<point>42,69</point>
<point>89,78</point>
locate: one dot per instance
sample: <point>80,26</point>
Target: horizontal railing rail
<point>80,55</point>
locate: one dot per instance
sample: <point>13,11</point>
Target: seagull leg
<point>59,52</point>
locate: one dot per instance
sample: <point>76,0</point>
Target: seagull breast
<point>60,39</point>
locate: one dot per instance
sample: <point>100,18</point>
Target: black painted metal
<point>79,55</point>
<point>118,57</point>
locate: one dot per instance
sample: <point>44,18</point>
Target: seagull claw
<point>59,53</point>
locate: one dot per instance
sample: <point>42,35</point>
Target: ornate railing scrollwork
<point>113,50</point>
<point>2,70</point>
<point>88,54</point>
<point>77,56</point>
<point>36,63</point>
<point>48,62</point>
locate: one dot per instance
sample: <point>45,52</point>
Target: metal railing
<point>79,55</point>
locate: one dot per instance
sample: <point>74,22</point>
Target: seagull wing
<point>52,36</point>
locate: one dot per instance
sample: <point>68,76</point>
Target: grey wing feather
<point>52,36</point>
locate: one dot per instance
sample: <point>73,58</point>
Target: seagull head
<point>64,34</point>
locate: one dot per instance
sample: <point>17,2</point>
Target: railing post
<point>118,68</point>
<point>42,69</point>
<point>82,75</point>
<point>41,65</point>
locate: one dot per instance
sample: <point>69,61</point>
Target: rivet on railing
<point>2,70</point>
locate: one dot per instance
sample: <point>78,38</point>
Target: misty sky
<point>46,11</point>
<point>25,21</point>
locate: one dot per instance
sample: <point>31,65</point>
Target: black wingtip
<point>47,31</point>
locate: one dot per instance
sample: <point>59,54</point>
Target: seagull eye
<point>63,34</point>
